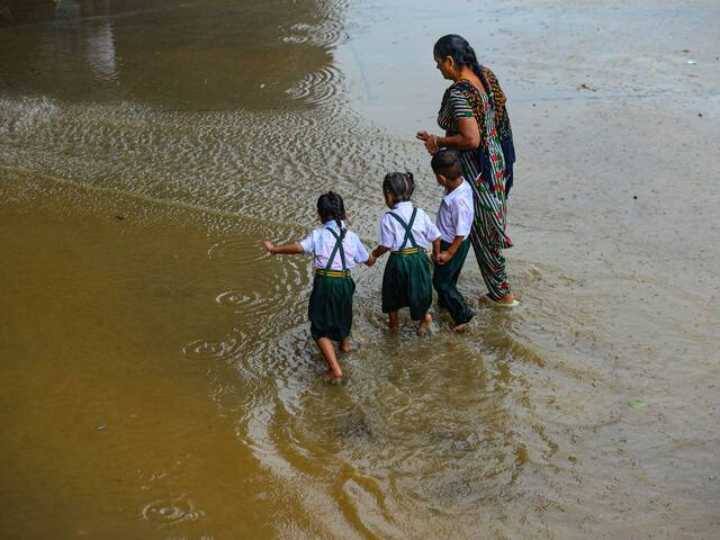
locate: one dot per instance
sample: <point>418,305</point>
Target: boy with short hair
<point>454,219</point>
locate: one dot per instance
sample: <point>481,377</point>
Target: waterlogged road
<point>159,380</point>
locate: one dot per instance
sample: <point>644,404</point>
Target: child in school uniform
<point>335,250</point>
<point>407,232</point>
<point>454,219</point>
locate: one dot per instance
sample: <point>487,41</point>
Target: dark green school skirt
<point>407,282</point>
<point>330,310</point>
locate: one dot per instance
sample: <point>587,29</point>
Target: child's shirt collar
<point>449,196</point>
<point>402,204</point>
<point>332,224</point>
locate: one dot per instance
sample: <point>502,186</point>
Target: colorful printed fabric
<point>502,120</point>
<point>487,163</point>
<point>485,168</point>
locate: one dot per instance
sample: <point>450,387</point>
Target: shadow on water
<point>198,55</point>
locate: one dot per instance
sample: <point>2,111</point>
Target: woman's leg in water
<point>489,257</point>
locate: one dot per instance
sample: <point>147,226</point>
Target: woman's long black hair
<point>330,206</point>
<point>458,48</point>
<point>400,185</point>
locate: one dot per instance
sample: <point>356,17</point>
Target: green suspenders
<point>408,234</point>
<point>328,271</point>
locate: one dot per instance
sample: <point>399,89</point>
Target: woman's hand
<point>431,143</point>
<point>467,138</point>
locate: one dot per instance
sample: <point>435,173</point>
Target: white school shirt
<point>456,213</point>
<point>320,243</point>
<point>392,233</point>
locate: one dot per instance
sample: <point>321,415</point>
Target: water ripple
<point>227,348</point>
<point>171,512</point>
<point>237,251</point>
<point>318,87</point>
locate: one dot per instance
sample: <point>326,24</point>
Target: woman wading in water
<point>476,124</point>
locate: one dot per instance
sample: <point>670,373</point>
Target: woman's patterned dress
<point>485,169</point>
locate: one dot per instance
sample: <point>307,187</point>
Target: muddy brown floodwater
<point>158,376</point>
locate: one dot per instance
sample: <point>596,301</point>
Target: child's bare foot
<point>460,328</point>
<point>345,345</point>
<point>393,322</point>
<point>328,351</point>
<point>424,327</point>
<point>332,376</point>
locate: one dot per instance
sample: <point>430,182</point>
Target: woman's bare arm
<point>467,139</point>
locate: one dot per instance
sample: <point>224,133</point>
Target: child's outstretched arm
<point>386,237</point>
<point>379,251</point>
<point>436,248</point>
<point>362,252</point>
<point>284,249</point>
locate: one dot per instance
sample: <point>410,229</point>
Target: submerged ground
<point>158,377</point>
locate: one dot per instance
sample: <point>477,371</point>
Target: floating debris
<point>584,86</point>
<point>637,403</point>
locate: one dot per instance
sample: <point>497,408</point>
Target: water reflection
<point>101,51</point>
<point>206,55</point>
<point>23,11</point>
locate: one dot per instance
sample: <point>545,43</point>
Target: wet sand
<point>159,380</point>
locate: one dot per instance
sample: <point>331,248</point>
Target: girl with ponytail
<point>408,234</point>
<point>335,250</point>
<point>475,121</point>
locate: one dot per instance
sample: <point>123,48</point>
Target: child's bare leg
<point>327,348</point>
<point>345,345</point>
<point>424,325</point>
<point>393,323</point>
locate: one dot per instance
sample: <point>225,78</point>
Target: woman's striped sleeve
<point>459,105</point>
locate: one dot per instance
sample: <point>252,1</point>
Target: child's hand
<point>269,247</point>
<point>442,258</point>
<point>371,261</point>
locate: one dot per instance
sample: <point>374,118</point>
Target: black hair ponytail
<point>331,206</point>
<point>472,61</point>
<point>458,48</point>
<point>400,185</point>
